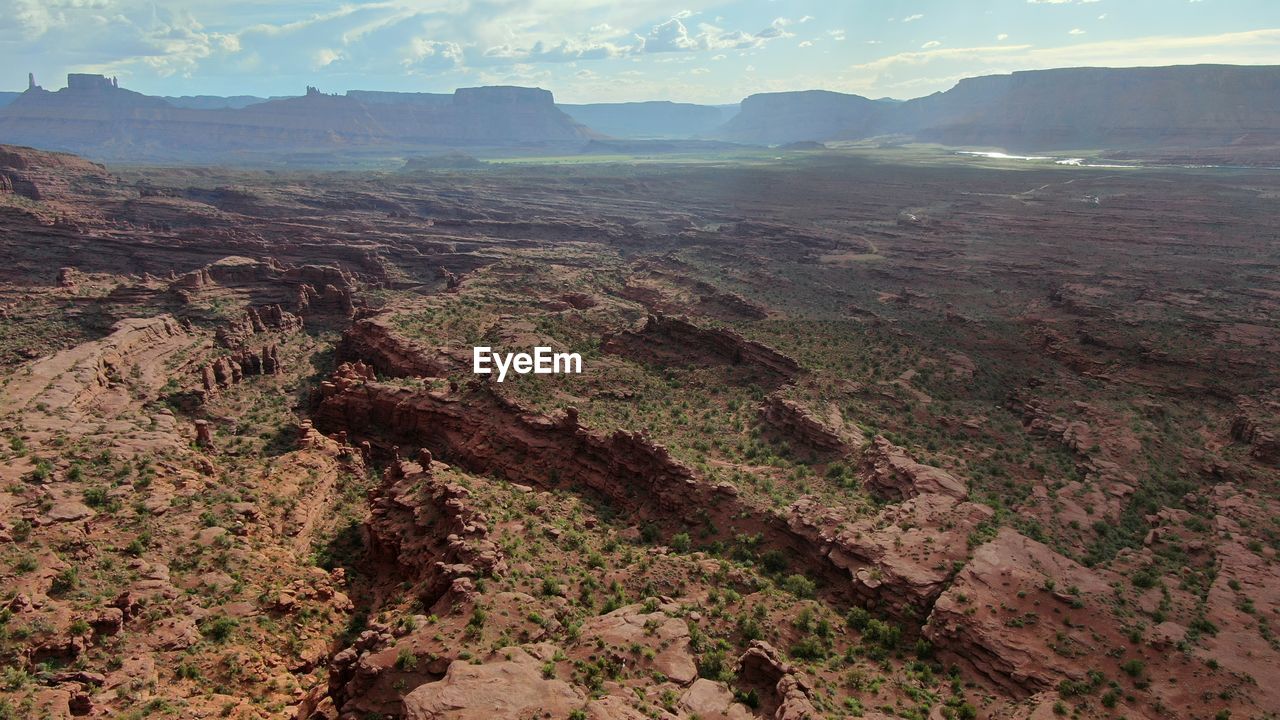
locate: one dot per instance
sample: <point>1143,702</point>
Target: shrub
<point>649,533</point>
<point>800,586</point>
<point>713,665</point>
<point>774,561</point>
<point>96,496</point>
<point>808,648</point>
<point>66,580</point>
<point>1133,668</point>
<point>219,629</point>
<point>884,634</point>
<point>406,660</point>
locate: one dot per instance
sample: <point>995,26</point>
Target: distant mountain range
<point>1181,107</point>
<point>93,117</point>
<point>817,115</point>
<point>658,119</point>
<point>1076,108</point>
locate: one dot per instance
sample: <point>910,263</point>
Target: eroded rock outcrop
<point>232,369</point>
<point>788,690</point>
<point>101,377</point>
<point>1016,615</point>
<point>891,473</point>
<point>634,626</point>
<point>424,524</point>
<point>376,342</point>
<point>484,432</point>
<point>329,298</point>
<point>488,433</point>
<point>801,426</point>
<point>1255,424</point>
<point>40,175</point>
<point>901,559</point>
<point>668,340</point>
<point>509,688</point>
<point>238,333</point>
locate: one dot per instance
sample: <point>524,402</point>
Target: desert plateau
<point>711,360</point>
<point>867,434</point>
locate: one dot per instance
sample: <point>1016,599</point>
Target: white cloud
<point>937,68</point>
<point>433,54</point>
<point>324,57</point>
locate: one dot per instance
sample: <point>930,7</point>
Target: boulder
<point>512,687</point>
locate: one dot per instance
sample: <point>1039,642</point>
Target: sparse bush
<point>800,586</point>
<point>406,660</point>
<point>220,628</point>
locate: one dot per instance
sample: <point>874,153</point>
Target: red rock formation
<point>491,434</point>
<point>891,473</point>
<point>901,559</point>
<point>788,691</point>
<point>423,524</point>
<point>231,370</point>
<point>513,687</point>
<point>579,300</point>
<point>331,299</point>
<point>795,422</point>
<point>204,434</point>
<point>41,176</point>
<point>487,433</point>
<point>271,318</point>
<point>69,278</point>
<point>1008,615</point>
<point>318,276</point>
<point>79,375</point>
<point>375,341</point>
<point>669,340</point>
<point>452,282</point>
<point>1255,425</point>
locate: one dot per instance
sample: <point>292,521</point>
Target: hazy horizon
<point>596,51</point>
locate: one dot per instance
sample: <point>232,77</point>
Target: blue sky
<point>609,50</point>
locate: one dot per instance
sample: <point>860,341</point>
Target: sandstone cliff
<point>114,123</point>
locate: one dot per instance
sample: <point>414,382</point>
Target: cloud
<point>433,55</point>
<point>674,36</point>
<point>937,68</point>
<point>325,57</point>
<point>629,50</point>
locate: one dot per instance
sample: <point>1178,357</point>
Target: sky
<point>707,51</point>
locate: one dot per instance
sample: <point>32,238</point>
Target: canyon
<point>852,438</point>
